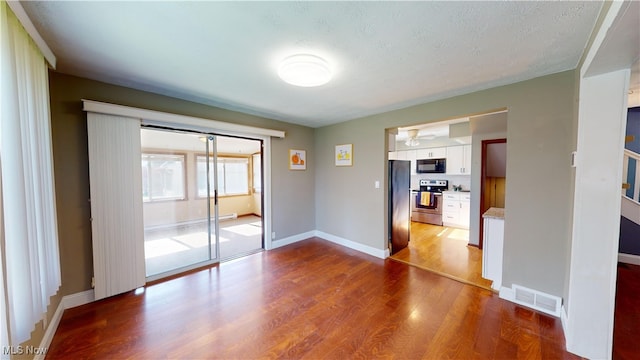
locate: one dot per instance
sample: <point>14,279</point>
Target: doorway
<point>493,179</point>
<point>202,199</point>
<point>440,241</point>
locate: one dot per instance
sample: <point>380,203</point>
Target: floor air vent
<point>537,300</point>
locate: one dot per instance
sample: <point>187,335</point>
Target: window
<point>233,176</point>
<point>257,172</point>
<point>163,177</point>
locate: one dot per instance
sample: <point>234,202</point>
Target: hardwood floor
<point>312,299</point>
<point>627,313</point>
<point>444,250</point>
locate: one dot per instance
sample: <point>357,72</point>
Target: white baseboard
<point>51,330</point>
<point>292,239</point>
<point>67,302</point>
<point>629,259</point>
<point>77,299</point>
<point>382,254</point>
<point>379,253</point>
<point>564,318</point>
<point>507,294</point>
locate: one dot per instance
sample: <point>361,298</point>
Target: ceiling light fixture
<point>305,70</point>
<point>412,141</point>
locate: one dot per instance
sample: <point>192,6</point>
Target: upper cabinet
<point>405,155</point>
<point>432,153</point>
<point>459,160</point>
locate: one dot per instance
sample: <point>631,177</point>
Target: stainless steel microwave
<point>431,166</point>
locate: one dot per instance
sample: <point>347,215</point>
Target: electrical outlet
<point>273,235</point>
<point>93,282</point>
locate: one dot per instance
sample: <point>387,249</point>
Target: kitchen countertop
<point>494,213</point>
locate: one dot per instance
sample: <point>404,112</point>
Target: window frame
<point>185,187</point>
<point>253,175</point>
<point>224,156</point>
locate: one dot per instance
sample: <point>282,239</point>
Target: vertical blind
<point>28,231</point>
<point>117,228</point>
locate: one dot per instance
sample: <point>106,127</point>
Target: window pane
<point>221,190</point>
<point>146,196</point>
<point>236,178</point>
<point>201,176</point>
<point>257,175</point>
<point>163,177</point>
<point>233,176</point>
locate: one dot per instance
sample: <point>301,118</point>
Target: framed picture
<point>344,155</point>
<point>297,159</point>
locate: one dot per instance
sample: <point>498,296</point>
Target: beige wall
<point>292,191</point>
<point>540,131</point>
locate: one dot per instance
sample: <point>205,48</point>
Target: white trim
<point>607,23</point>
<point>630,209</point>
<point>152,117</point>
<point>67,302</point>
<point>292,239</point>
<point>629,259</point>
<point>78,299</point>
<point>266,192</point>
<point>564,318</point>
<point>51,330</point>
<point>22,16</point>
<point>379,253</point>
<point>507,294</point>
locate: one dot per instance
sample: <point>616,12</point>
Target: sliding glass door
<point>180,213</point>
<point>202,198</point>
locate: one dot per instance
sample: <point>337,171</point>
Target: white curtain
<point>31,262</point>
<point>117,227</point>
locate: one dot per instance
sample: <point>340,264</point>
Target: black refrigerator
<point>399,204</point>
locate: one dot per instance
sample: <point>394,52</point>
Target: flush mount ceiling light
<point>304,70</point>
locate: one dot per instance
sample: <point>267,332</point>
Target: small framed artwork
<point>297,159</point>
<point>344,155</point>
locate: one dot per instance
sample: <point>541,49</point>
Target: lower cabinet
<point>456,209</point>
<point>493,235</point>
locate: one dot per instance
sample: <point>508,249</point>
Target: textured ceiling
<point>386,55</point>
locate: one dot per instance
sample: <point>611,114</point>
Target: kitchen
<point>440,157</point>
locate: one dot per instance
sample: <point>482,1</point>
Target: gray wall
<point>540,138</point>
<point>292,191</point>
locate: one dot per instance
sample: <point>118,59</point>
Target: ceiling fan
<point>412,139</point>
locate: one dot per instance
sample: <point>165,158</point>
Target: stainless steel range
<point>426,203</point>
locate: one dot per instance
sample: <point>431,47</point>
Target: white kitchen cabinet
<point>432,153</point>
<point>407,155</point>
<point>456,209</point>
<point>493,243</point>
<point>411,156</point>
<point>459,160</point>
